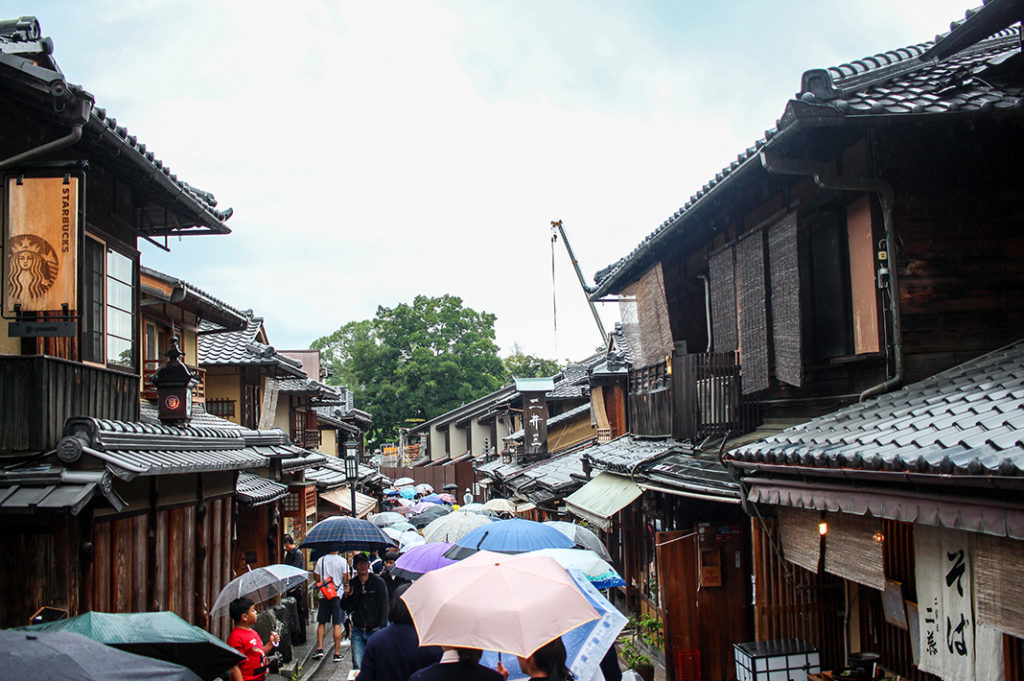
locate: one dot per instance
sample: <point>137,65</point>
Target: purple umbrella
<point>420,507</point>
<point>418,560</point>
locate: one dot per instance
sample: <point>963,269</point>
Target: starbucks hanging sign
<point>40,244</point>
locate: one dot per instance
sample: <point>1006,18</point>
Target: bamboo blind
<point>723,300</point>
<point>753,313</point>
<point>999,583</point>
<point>853,549</point>
<point>801,543</point>
<point>784,264</point>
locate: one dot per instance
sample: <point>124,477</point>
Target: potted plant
<point>644,636</point>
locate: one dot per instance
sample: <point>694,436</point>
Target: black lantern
<point>351,459</point>
<point>174,382</point>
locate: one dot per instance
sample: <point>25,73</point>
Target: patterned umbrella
<point>581,537</point>
<point>345,533</point>
<point>500,506</point>
<point>597,570</point>
<point>509,536</point>
<point>446,498</point>
<point>421,559</point>
<point>453,527</point>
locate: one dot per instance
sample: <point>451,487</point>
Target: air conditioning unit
<point>716,399</point>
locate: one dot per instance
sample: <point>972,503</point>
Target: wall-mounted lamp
<point>878,537</point>
<point>823,528</point>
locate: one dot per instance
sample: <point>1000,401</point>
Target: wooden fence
<point>460,474</point>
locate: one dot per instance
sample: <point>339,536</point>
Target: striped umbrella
<point>345,533</point>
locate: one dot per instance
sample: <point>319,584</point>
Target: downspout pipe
<point>825,178</point>
<point>81,117</point>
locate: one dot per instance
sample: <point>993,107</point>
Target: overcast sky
<point>373,151</point>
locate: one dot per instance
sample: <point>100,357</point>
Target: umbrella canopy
<point>407,492</point>
<point>424,488</point>
<point>402,482</point>
<point>429,514</point>
<point>453,526</point>
<point>259,585</point>
<point>345,533</point>
<point>432,499</point>
<point>585,645</point>
<point>451,487</point>
<point>509,536</point>
<point>421,559</point>
<point>500,506</point>
<point>160,635</point>
<point>533,598</point>
<point>597,571</point>
<point>582,537</point>
<point>475,507</point>
<point>446,498</point>
<point>404,525</point>
<point>410,538</point>
<point>394,533</point>
<point>63,655</point>
<point>387,518</point>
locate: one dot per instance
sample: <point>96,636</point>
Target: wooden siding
<point>437,476</point>
<point>39,393</point>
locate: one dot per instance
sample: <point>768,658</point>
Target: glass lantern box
<point>789,660</point>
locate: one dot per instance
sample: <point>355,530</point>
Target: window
<point>108,322</point>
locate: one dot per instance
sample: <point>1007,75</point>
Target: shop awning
<point>342,498</point>
<point>601,498</point>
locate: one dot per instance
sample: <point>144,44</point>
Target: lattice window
<point>221,407</point>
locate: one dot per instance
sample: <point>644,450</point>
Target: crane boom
<point>557,225</point>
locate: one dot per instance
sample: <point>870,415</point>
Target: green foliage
<point>644,633</point>
<point>521,365</point>
<point>415,361</point>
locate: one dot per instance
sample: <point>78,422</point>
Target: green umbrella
<point>160,635</point>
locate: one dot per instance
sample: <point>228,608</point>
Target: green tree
<point>521,365</point>
<point>415,361</point>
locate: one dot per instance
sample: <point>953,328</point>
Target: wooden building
<point>869,241</point>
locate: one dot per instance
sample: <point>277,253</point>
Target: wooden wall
<point>41,565</point>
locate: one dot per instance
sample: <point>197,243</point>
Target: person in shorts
<point>245,640</point>
<point>334,568</point>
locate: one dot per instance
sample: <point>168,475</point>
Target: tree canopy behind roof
<point>415,361</point>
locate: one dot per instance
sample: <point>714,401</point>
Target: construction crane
<point>556,229</point>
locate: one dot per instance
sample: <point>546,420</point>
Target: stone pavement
<point>304,668</point>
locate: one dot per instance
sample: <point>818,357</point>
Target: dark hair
<point>360,558</point>
<point>470,655</point>
<point>391,554</point>
<point>399,612</point>
<point>239,607</point>
<point>288,539</point>
<point>550,658</point>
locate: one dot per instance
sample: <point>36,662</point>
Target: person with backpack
<point>331,573</point>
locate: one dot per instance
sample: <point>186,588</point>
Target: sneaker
<point>318,654</point>
<point>337,658</point>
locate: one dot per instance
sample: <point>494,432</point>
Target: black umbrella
<point>161,635</point>
<point>434,512</point>
<point>49,655</point>
<point>451,487</point>
<point>345,533</point>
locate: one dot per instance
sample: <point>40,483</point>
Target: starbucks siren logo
<point>32,266</point>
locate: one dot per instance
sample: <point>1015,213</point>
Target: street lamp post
<point>352,470</point>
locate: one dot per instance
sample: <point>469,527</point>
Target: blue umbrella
<point>585,645</point>
<point>509,536</point>
<point>345,533</point>
<point>407,492</point>
<point>432,499</point>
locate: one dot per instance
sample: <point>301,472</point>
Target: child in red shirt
<point>245,640</point>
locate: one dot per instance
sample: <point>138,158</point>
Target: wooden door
<point>677,575</point>
<point>723,601</point>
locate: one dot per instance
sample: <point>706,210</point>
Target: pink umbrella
<point>511,604</point>
<point>446,498</point>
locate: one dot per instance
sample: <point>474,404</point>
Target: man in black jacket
<point>293,556</point>
<point>366,600</point>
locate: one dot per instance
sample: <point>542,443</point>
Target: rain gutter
<point>825,178</point>
<point>80,116</point>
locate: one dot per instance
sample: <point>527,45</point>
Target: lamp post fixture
<point>174,382</point>
<point>351,459</point>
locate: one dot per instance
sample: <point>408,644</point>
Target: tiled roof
<point>234,348</point>
<point>330,474</point>
<point>225,314</point>
<point>573,382</point>
<point>567,415</point>
<point>968,420</point>
<point>54,488</point>
<point>700,475</point>
<point>26,61</point>
<point>899,82</point>
<point>554,475</point>
<point>626,453</point>
<point>254,490</point>
<point>310,458</point>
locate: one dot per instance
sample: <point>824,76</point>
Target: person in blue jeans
<point>366,600</point>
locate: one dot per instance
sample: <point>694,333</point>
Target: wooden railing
<point>38,393</point>
<point>150,366</point>
<point>695,396</point>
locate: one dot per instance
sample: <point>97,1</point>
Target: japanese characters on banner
<point>535,423</point>
<point>953,646</point>
<point>40,244</point>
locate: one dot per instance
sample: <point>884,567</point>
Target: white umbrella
<point>500,506</point>
<point>453,527</point>
<point>581,537</point>
<point>402,482</point>
<point>410,538</point>
<point>475,507</point>
<point>386,518</point>
<point>259,585</point>
<point>425,488</point>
